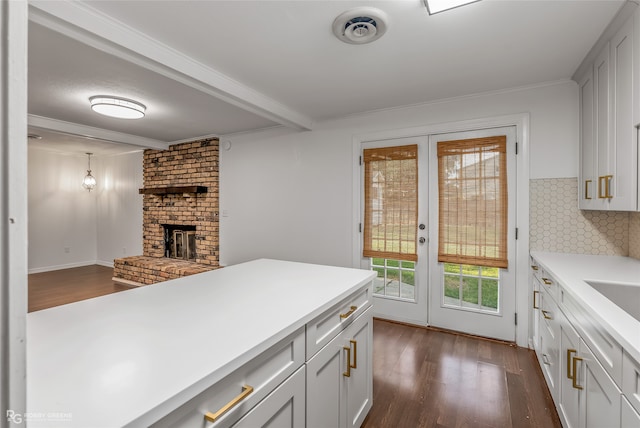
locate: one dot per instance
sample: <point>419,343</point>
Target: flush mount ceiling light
<point>117,107</point>
<point>89,181</point>
<point>360,25</point>
<point>437,6</point>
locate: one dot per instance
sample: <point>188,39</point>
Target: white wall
<point>119,207</point>
<point>62,214</point>
<point>95,226</point>
<point>288,195</point>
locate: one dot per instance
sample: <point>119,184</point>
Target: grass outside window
<point>471,286</point>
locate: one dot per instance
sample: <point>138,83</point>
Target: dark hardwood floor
<point>428,378</point>
<point>421,377</point>
<point>59,287</point>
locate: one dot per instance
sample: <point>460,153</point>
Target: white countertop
<point>571,271</point>
<point>131,357</point>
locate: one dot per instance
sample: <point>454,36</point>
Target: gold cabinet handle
<point>546,315</point>
<point>348,372</point>
<point>534,267</point>
<point>355,354</point>
<point>575,373</point>
<point>212,417</point>
<point>547,281</point>
<point>351,310</point>
<point>545,359</point>
<point>586,189</point>
<point>607,186</point>
<point>604,192</point>
<point>535,293</point>
<point>569,352</point>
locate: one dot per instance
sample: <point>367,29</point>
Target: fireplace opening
<point>180,242</point>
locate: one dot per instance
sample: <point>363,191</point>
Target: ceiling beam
<point>96,29</point>
<point>101,134</point>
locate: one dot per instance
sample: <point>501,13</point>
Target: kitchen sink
<point>624,295</point>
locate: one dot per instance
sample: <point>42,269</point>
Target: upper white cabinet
<point>609,113</point>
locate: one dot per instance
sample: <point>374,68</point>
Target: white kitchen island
<point>136,357</point>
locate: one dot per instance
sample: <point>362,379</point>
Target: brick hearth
<point>183,166</point>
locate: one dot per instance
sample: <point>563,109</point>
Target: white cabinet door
<point>340,378</point>
<point>549,355</point>
<point>601,406</point>
<point>325,391</point>
<point>609,105</point>
<point>630,418</point>
<point>570,392</point>
<point>602,117</point>
<point>359,386</point>
<point>588,176</point>
<point>622,175</point>
<point>283,408</point>
<point>535,307</point>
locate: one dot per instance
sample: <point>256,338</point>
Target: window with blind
<point>391,202</point>
<point>472,186</point>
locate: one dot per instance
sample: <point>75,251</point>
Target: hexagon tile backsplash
<point>634,235</point>
<point>558,225</point>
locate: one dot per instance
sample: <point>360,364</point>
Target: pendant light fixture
<point>89,181</point>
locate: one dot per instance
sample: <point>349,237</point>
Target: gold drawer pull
<point>569,352</point>
<point>575,372</point>
<point>586,189</point>
<point>534,267</point>
<point>351,310</point>
<point>535,293</point>
<point>355,354</point>
<point>545,360</point>
<point>546,315</point>
<point>212,417</point>
<point>547,281</point>
<point>348,372</point>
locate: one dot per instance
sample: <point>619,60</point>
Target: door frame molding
<point>522,123</point>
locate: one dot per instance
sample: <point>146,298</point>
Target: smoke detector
<point>360,25</point>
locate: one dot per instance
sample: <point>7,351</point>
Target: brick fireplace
<point>180,200</point>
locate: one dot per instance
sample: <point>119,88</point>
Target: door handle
<point>348,365</point>
<point>569,352</point>
<point>355,354</point>
<point>575,373</point>
<point>422,240</point>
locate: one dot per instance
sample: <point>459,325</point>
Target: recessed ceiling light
<point>117,107</point>
<point>436,6</point>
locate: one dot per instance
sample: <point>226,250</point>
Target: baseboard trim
<point>60,267</point>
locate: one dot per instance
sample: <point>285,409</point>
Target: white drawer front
<point>631,381</point>
<point>604,347</point>
<point>264,373</point>
<point>283,408</point>
<point>321,330</point>
<point>548,283</point>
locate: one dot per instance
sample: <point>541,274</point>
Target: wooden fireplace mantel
<point>172,190</point>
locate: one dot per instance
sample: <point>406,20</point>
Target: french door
<point>468,298</point>
<point>400,290</point>
<point>472,298</point>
